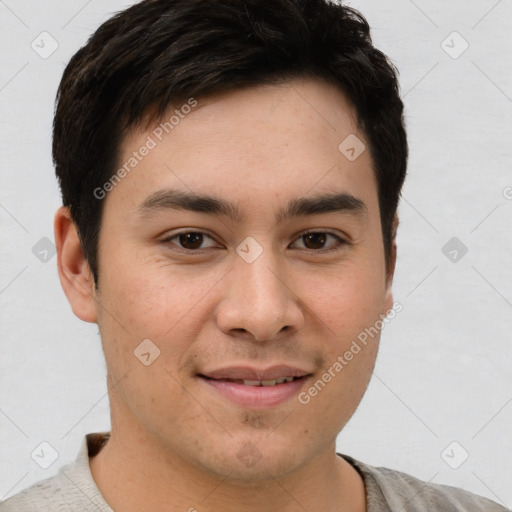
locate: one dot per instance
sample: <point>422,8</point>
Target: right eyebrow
<point>177,200</point>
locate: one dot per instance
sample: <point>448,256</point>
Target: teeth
<point>252,382</point>
<point>281,380</point>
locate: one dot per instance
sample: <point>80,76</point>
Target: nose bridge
<point>258,298</point>
<point>263,287</point>
<point>264,284</point>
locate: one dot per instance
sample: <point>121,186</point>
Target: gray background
<point>443,372</point>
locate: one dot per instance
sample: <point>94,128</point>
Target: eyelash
<point>341,242</point>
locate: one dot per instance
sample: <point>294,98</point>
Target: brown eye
<point>316,241</point>
<point>189,241</point>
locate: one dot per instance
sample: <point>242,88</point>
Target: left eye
<point>313,240</point>
<point>316,238</point>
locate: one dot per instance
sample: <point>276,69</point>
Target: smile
<point>255,389</point>
<point>265,383</point>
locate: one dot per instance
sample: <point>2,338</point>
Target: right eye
<point>190,241</point>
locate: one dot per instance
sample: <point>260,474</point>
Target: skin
<point>175,441</point>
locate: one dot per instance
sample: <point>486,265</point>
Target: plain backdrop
<point>442,388</point>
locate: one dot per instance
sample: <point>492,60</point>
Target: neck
<point>133,472</point>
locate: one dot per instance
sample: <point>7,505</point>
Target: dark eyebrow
<point>324,203</point>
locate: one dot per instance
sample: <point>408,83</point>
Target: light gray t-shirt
<point>73,490</point>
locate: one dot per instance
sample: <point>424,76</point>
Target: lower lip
<point>256,397</point>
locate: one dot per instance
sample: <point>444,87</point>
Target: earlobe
<point>391,267</point>
<point>74,272</point>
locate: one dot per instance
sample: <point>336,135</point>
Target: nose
<point>260,301</point>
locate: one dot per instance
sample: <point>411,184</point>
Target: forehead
<point>259,142</point>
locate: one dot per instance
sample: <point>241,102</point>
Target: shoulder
<point>407,493</point>
<point>72,488</point>
<point>43,496</point>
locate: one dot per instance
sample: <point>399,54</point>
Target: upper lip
<point>250,373</point>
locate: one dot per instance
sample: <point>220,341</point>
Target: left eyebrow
<point>168,199</point>
<point>341,202</point>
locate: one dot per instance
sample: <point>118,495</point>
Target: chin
<point>254,460</point>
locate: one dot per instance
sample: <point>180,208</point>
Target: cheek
<point>350,346</point>
<point>149,296</point>
<point>347,300</point>
<point>157,302</point>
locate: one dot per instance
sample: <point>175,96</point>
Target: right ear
<point>75,274</point>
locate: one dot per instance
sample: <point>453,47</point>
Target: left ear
<point>391,266</point>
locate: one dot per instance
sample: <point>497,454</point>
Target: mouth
<point>256,388</point>
<point>257,383</point>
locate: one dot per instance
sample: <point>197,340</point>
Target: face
<point>265,288</point>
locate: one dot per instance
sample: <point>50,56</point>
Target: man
<point>230,174</point>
